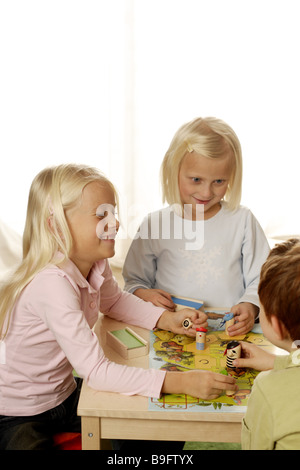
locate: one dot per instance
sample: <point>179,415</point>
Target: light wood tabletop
<point>107,415</point>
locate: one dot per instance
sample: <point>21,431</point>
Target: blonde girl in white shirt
<point>201,173</point>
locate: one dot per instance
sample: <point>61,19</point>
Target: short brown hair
<point>279,286</point>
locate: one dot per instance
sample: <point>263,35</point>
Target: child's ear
<point>279,328</point>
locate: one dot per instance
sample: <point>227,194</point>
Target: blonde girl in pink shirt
<point>50,305</point>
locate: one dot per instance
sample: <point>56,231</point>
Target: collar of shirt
<point>287,361</point>
<point>95,278</point>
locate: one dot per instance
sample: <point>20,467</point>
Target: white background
<point>108,83</point>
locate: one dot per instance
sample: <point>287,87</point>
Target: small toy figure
<point>186,323</point>
<point>200,338</point>
<point>233,351</point>
<point>228,320</point>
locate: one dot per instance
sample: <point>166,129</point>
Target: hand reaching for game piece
<point>244,315</point>
<point>172,321</point>
<point>254,357</point>
<point>198,383</point>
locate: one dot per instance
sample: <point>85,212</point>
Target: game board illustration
<point>172,352</point>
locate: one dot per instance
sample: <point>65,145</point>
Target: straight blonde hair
<point>211,138</point>
<point>53,191</point>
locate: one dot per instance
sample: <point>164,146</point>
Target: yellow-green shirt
<point>272,420</point>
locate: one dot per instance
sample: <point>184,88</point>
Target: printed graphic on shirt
<point>201,266</point>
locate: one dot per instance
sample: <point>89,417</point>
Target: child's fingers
<point>197,317</point>
<point>220,385</point>
<point>159,298</point>
<point>196,320</point>
<point>225,382</point>
<point>248,348</point>
<point>237,329</point>
<point>162,301</point>
<point>166,298</point>
<point>201,317</point>
<point>254,357</point>
<point>241,326</point>
<point>207,384</point>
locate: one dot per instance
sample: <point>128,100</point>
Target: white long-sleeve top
<point>50,335</point>
<point>223,272</point>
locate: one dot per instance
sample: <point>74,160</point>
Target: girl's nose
<point>206,191</point>
<point>112,223</point>
<point>112,226</point>
<point>108,224</point>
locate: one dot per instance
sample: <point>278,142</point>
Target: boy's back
<point>273,413</point>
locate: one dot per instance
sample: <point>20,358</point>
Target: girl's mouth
<point>109,236</point>
<point>201,201</point>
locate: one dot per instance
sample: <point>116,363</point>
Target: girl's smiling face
<point>204,181</point>
<point>93,226</point>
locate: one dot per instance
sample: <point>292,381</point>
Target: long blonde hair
<point>53,191</point>
<point>211,138</point>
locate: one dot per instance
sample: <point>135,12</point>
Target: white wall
<point>109,82</point>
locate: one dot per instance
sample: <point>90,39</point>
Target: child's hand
<point>254,357</point>
<point>198,383</point>
<point>172,321</point>
<point>158,297</point>
<point>244,316</point>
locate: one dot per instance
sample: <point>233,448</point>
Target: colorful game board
<point>178,353</point>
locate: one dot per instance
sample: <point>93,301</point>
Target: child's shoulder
<point>52,276</point>
<point>241,209</point>
<point>239,214</point>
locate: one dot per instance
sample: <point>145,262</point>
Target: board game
<point>172,352</point>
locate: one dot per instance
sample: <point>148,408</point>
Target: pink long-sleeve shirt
<point>51,334</point>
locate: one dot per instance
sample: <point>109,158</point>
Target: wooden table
<point>108,415</point>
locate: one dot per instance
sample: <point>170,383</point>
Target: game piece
<point>127,343</point>
<point>200,338</point>
<point>187,323</point>
<point>228,320</point>
<point>233,351</point>
<point>229,393</point>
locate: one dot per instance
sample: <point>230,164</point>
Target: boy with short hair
<point>272,419</point>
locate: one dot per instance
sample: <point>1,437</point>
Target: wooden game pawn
<point>233,351</point>
<point>229,393</point>
<point>229,321</point>
<point>187,323</point>
<point>200,338</point>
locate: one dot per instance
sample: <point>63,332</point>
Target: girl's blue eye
<point>219,181</point>
<point>196,180</point>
